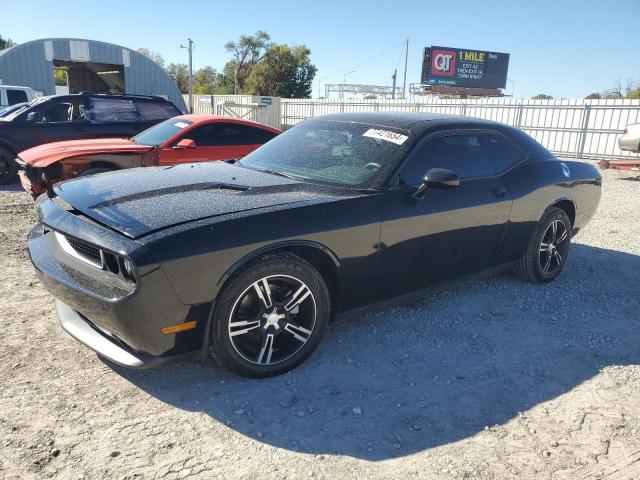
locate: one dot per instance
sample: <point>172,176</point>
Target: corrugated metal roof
<point>27,64</point>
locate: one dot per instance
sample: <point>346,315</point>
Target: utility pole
<point>190,49</point>
<point>344,81</point>
<point>393,90</point>
<point>404,78</point>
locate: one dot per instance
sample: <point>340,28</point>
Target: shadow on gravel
<point>404,379</point>
<point>11,187</point>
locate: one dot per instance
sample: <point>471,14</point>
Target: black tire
<point>8,166</point>
<point>93,171</point>
<point>546,254</point>
<point>244,296</point>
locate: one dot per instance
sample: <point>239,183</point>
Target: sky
<point>564,48</point>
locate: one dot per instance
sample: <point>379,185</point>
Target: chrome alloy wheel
<point>553,248</point>
<point>272,319</point>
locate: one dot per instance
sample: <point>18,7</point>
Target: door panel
<point>449,232</point>
<point>446,234</point>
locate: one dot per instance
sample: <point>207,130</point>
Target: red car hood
<point>45,155</point>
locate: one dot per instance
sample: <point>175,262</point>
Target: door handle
<point>499,191</point>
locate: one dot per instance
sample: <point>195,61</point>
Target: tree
<point>156,57</point>
<point>621,91</point>
<point>542,96</point>
<point>370,97</point>
<point>204,81</point>
<point>247,51</point>
<point>179,73</point>
<point>8,43</point>
<point>593,96</point>
<point>634,94</point>
<point>283,72</point>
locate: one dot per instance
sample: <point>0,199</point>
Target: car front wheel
<point>548,248</point>
<point>271,316</point>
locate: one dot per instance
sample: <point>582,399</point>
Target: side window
<point>109,110</point>
<point>61,112</point>
<point>461,153</point>
<point>502,152</point>
<point>16,96</point>
<point>223,134</point>
<point>149,110</point>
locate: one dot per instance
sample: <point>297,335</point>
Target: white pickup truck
<point>10,95</point>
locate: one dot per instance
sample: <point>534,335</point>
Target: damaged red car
<point>182,139</point>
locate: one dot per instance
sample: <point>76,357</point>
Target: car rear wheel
<point>548,248</point>
<point>8,166</point>
<point>271,316</point>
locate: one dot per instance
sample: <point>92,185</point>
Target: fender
<point>278,246</point>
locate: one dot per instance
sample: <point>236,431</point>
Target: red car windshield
<point>160,133</point>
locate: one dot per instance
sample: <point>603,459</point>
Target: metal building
<point>64,65</point>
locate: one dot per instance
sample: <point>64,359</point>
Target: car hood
<point>44,155</point>
<point>140,201</point>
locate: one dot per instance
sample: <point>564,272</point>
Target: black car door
<point>114,117</point>
<point>448,232</point>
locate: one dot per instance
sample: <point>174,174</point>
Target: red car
<point>181,139</point>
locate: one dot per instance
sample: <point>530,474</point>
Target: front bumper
<point>119,321</point>
<point>100,342</point>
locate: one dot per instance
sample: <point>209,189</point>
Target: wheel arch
<point>567,205</point>
<point>319,256</point>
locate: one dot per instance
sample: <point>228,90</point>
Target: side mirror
<point>32,117</point>
<point>437,178</point>
<point>186,143</point>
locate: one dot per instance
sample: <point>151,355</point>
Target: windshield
<point>332,152</point>
<point>160,133</point>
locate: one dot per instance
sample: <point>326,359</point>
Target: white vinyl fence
<point>575,128</point>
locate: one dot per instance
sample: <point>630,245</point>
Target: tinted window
<point>16,96</point>
<point>220,134</point>
<point>156,110</point>
<point>463,154</point>
<point>107,110</point>
<point>502,152</point>
<point>160,133</point>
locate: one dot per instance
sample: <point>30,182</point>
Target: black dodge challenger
<point>251,259</point>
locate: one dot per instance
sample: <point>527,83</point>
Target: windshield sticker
<point>180,124</point>
<point>392,137</point>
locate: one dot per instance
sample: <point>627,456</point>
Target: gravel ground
<point>490,378</point>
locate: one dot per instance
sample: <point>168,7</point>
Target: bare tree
<point>620,90</point>
<point>247,51</point>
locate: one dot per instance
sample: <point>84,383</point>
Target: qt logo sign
<point>443,63</point>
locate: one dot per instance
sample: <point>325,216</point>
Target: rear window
<point>109,110</point>
<point>156,110</point>
<point>16,96</point>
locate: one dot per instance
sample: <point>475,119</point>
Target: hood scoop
<point>210,187</point>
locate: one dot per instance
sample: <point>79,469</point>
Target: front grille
<point>85,249</point>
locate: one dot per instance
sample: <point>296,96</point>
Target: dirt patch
<point>491,378</point>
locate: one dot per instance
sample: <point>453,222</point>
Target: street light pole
<point>404,77</point>
<point>190,49</point>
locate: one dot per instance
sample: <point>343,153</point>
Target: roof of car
<point>416,122</point>
<point>198,119</point>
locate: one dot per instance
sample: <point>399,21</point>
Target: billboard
<point>460,67</point>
